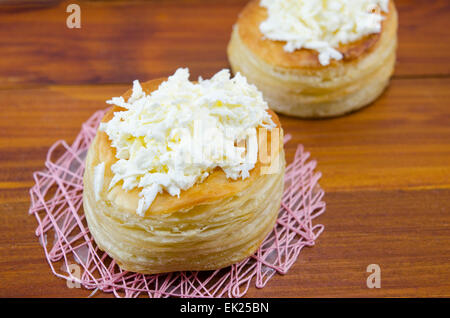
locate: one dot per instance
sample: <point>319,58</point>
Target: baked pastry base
<point>296,84</point>
<point>212,225</point>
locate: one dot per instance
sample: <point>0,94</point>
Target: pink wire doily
<point>56,202</point>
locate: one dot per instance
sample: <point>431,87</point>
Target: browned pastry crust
<point>272,52</point>
<point>216,186</point>
<point>213,224</point>
<point>295,83</point>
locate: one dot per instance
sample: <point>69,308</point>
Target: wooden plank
<point>405,232</point>
<point>120,41</point>
<point>401,141</point>
<point>385,173</point>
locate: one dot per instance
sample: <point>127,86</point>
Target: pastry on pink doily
<point>91,250</point>
<point>184,176</point>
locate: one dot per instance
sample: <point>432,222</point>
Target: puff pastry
<point>295,83</point>
<point>213,224</point>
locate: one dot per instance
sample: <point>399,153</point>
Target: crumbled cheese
<point>174,137</point>
<point>99,173</point>
<point>321,25</point>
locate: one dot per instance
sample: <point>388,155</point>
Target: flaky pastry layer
<point>212,225</point>
<point>297,84</point>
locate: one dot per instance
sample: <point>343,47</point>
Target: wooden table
<point>386,168</point>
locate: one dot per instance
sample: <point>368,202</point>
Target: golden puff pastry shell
<point>214,224</point>
<point>296,84</point>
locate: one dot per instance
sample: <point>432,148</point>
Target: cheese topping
<point>321,25</point>
<point>174,137</point>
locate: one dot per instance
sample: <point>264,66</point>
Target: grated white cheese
<point>174,137</point>
<point>321,25</point>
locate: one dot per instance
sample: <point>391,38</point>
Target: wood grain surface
<point>386,168</point>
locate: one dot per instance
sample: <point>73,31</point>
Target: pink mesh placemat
<point>56,202</point>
